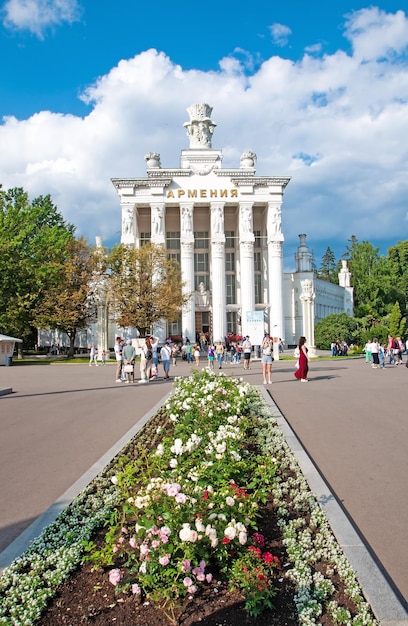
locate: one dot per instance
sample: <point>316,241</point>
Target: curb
<point>384,603</point>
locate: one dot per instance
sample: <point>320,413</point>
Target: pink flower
<point>192,589</point>
<point>180,498</point>
<point>173,489</point>
<point>187,582</point>
<point>259,539</point>
<point>200,576</point>
<point>133,542</point>
<point>155,543</point>
<point>136,590</point>
<point>186,566</point>
<point>164,560</point>
<point>144,550</point>
<point>209,578</point>
<point>115,576</point>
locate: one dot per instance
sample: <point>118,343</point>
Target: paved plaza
<point>61,419</point>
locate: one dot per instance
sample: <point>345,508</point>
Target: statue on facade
<point>186,220</point>
<point>276,225</point>
<point>218,220</point>
<point>246,219</point>
<point>200,127</point>
<point>157,220</point>
<point>127,222</point>
<point>202,296</point>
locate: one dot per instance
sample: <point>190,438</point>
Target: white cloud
<point>280,34</point>
<point>37,16</point>
<point>336,124</point>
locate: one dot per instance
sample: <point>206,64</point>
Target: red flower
<point>270,559</point>
<point>206,495</point>
<point>255,550</point>
<point>226,540</point>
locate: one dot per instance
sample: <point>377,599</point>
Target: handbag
<point>128,368</point>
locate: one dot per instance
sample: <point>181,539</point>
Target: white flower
<point>160,449</point>
<point>242,537</point>
<point>230,532</point>
<point>114,480</point>
<point>199,525</point>
<point>173,463</point>
<point>230,501</point>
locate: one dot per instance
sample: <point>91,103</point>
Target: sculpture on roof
<point>200,127</point>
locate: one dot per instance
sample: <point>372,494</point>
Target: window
<point>201,262</point>
<point>174,256</point>
<point>201,240</point>
<point>173,240</point>
<point>232,322</point>
<point>230,261</point>
<point>258,289</point>
<point>230,239</point>
<point>257,262</point>
<point>258,239</point>
<point>230,289</point>
<point>144,238</point>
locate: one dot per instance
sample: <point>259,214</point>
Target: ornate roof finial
<point>200,127</point>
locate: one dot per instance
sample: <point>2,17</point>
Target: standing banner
<point>255,327</point>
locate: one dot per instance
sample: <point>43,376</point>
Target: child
<point>103,357</point>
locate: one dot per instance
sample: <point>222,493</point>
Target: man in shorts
<point>246,349</point>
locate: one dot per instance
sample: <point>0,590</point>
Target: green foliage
<point>33,240</point>
<point>337,326</point>
<point>328,268</point>
<point>397,260</point>
<point>144,286</point>
<point>398,323</point>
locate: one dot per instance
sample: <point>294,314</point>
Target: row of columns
<point>217,250</point>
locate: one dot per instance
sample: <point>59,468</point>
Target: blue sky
<point>318,90</point>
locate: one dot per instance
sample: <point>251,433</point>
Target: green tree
<point>328,267</point>
<point>33,240</point>
<point>144,286</point>
<point>70,303</point>
<point>398,323</point>
<point>337,326</point>
<point>370,278</point>
<point>397,261</point>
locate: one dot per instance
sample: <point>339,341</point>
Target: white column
<point>219,313</point>
<point>307,297</point>
<point>187,270</point>
<point>246,254</point>
<point>275,270</point>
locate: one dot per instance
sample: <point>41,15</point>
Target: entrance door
<point>203,323</point>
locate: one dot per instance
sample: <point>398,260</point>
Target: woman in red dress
<point>301,372</point>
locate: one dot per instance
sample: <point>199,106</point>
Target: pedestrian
<point>381,355</point>
<point>165,354</point>
<point>247,348</point>
<point>219,352</point>
<point>267,358</point>
<point>368,355</point>
<point>174,353</point>
<point>129,355</point>
<point>302,370</point>
<point>103,357</point>
<point>375,349</point>
<point>119,359</point>
<point>390,350</point>
<point>211,356</point>
<point>197,354</point>
<point>155,357</point>
<point>189,352</point>
<point>146,360</point>
<point>93,355</point>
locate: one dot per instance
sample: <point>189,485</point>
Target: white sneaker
<point>118,380</point>
<point>142,381</point>
<point>304,380</point>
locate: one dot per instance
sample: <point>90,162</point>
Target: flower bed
<point>184,503</point>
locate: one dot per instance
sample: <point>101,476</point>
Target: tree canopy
<point>33,241</point>
<point>144,286</point>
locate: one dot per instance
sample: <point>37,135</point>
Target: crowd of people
<point>378,355</point>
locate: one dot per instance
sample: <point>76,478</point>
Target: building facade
<point>222,225</point>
